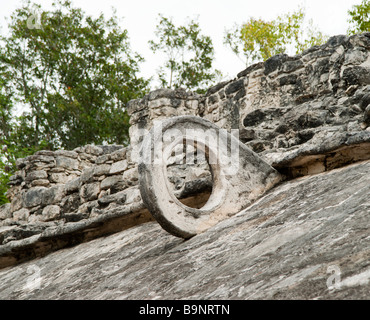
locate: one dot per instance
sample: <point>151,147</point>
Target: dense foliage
<point>258,40</point>
<point>359,18</point>
<point>189,56</point>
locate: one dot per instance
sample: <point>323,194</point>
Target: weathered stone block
<point>66,153</point>
<point>131,175</point>
<point>94,150</point>
<point>50,213</point>
<point>357,75</point>
<point>35,175</point>
<point>110,181</point>
<point>52,195</point>
<point>21,163</point>
<point>40,183</point>
<point>5,211</point>
<point>33,197</point>
<point>72,186</point>
<point>165,111</point>
<point>119,198</point>
<point>118,155</point>
<point>118,167</point>
<point>160,103</point>
<point>90,191</point>
<point>87,176</point>
<point>132,195</point>
<point>102,169</point>
<point>21,215</point>
<point>234,87</point>
<point>58,177</point>
<point>70,203</point>
<point>66,162</point>
<point>355,57</point>
<point>17,201</point>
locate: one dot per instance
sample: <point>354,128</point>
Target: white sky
<point>140,18</point>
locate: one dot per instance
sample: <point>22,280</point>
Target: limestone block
<point>66,162</point>
<point>21,215</point>
<point>52,195</point>
<point>162,102</point>
<point>40,183</point>
<point>132,195</point>
<point>355,57</point>
<point>118,155</point>
<point>110,181</point>
<point>192,105</point>
<point>87,176</point>
<point>131,175</point>
<point>102,169</point>
<point>33,197</point>
<point>17,201</point>
<point>94,150</point>
<point>35,175</point>
<point>119,198</point>
<point>90,191</point>
<point>66,153</point>
<point>357,75</point>
<point>70,203</point>
<point>165,111</point>
<point>50,213</point>
<point>21,163</point>
<point>73,185</point>
<point>47,159</point>
<point>118,167</point>
<point>59,177</point>
<point>102,159</point>
<point>5,211</point>
<point>139,117</point>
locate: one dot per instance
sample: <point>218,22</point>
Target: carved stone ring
<point>239,175</point>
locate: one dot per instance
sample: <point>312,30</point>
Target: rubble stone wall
<point>53,188</point>
<point>299,113</point>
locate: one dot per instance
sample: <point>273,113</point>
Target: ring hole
<point>189,175</point>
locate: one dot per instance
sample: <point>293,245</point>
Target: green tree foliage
<point>189,56</point>
<point>5,132</point>
<point>359,18</point>
<point>258,40</point>
<point>11,143</point>
<point>70,77</point>
<point>74,74</point>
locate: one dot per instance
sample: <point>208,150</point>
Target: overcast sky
<point>140,18</point>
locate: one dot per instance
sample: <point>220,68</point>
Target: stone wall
<point>53,188</point>
<point>304,115</point>
<point>299,113</point>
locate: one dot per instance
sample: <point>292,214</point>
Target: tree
<point>258,40</point>
<point>72,74</point>
<point>189,56</point>
<point>11,141</point>
<point>359,18</point>
<point>5,132</point>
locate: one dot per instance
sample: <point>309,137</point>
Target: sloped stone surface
<point>282,247</point>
